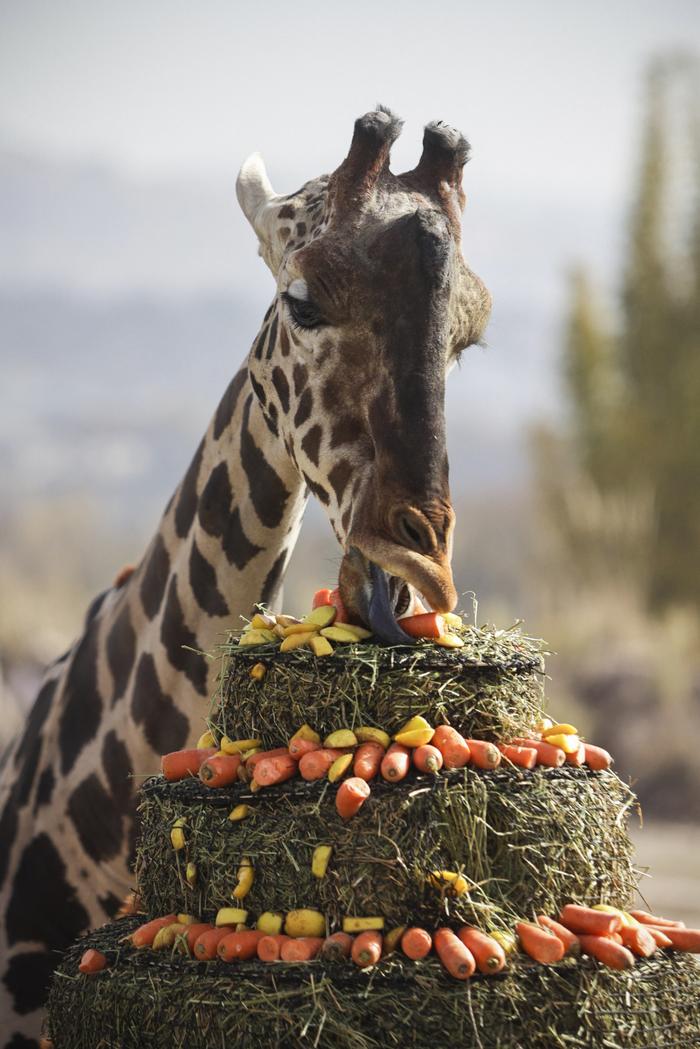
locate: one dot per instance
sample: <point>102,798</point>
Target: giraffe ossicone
<point>342,397</point>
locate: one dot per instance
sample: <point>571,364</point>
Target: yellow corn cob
<point>320,859</point>
<point>455,884</point>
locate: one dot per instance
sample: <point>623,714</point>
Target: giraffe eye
<point>302,312</point>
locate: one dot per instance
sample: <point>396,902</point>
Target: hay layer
<point>148,1001</point>
<point>491,689</point>
<point>531,840</point>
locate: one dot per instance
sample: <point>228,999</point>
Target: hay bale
<point>146,1000</point>
<point>491,689</point>
<point>530,840</point>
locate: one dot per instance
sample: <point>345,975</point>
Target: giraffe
<point>341,397</point>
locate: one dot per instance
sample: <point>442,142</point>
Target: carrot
<point>597,758</point>
<point>193,932</point>
<point>660,938</point>
<point>206,944</point>
<point>301,948</point>
<point>428,758</point>
<point>368,759</point>
<point>254,759</point>
<point>316,764</point>
<point>567,937</point>
<point>426,624</point>
<point>484,755</point>
<point>683,939</point>
<point>239,946</point>
<point>488,955</point>
<point>457,959</point>
<point>416,943</point>
<point>367,948</point>
<point>639,940</point>
<point>578,758</point>
<point>524,757</point>
<point>651,919</point>
<point>586,920</point>
<point>92,961</point>
<point>336,947</point>
<point>275,770</point>
<point>269,947</point>
<point>547,753</point>
<point>452,745</point>
<point>146,934</point>
<point>607,951</point>
<point>395,763</point>
<point>351,796</point>
<point>322,597</point>
<point>299,746</point>
<point>181,763</point>
<point>339,605</point>
<point>541,944</point>
<point>220,769</point>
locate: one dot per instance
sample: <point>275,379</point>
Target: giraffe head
<point>374,305</point>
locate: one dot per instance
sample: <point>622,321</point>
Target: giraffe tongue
<point>381,617</point>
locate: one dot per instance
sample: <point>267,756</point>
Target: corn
<point>237,746</point>
<point>293,641</point>
<point>305,922</point>
<point>323,616</point>
<point>450,881</point>
<point>320,859</point>
<point>369,734</point>
<point>258,671</point>
<point>231,916</point>
<point>191,874</point>
<point>393,938</point>
<point>246,877</point>
<point>321,646</point>
<point>270,922</point>
<point>206,740</point>
<point>339,767</point>
<point>342,737</point>
<point>353,924</point>
<point>239,813</point>
<point>177,834</point>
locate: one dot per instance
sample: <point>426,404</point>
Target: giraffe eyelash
<point>302,313</point>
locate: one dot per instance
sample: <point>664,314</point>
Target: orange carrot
<point>92,961</point>
<point>368,758</point>
<point>220,769</point>
<point>395,763</point>
<point>367,948</point>
<point>597,758</point>
<point>301,948</point>
<point>269,947</point>
<point>351,796</point>
<point>341,615</point>
<point>586,920</point>
<point>275,770</point>
<point>322,597</point>
<point>488,954</point>
<point>316,764</point>
<point>547,753</point>
<point>181,763</point>
<point>336,947</point>
<point>607,951</point>
<point>540,943</point>
<point>567,937</point>
<point>660,938</point>
<point>239,946</point>
<point>578,758</point>
<point>524,757</point>
<point>651,919</point>
<point>427,758</point>
<point>452,745</point>
<point>457,959</point>
<point>484,755</point>
<point>299,746</point>
<point>426,624</point>
<point>193,932</point>
<point>683,939</point>
<point>254,760</point>
<point>205,945</point>
<point>146,934</point>
<point>639,940</point>
<point>416,943</point>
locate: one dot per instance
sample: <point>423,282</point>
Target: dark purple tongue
<point>380,612</point>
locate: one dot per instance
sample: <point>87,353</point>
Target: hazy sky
<point>547,90</point>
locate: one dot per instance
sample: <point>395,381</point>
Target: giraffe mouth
<point>390,598</point>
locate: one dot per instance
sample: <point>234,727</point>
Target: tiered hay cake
<point>531,841</point>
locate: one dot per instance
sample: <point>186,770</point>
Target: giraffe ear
<point>254,191</point>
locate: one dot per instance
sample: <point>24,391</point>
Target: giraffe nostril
<point>413,531</point>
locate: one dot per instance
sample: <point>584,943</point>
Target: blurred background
<point>130,290</point>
